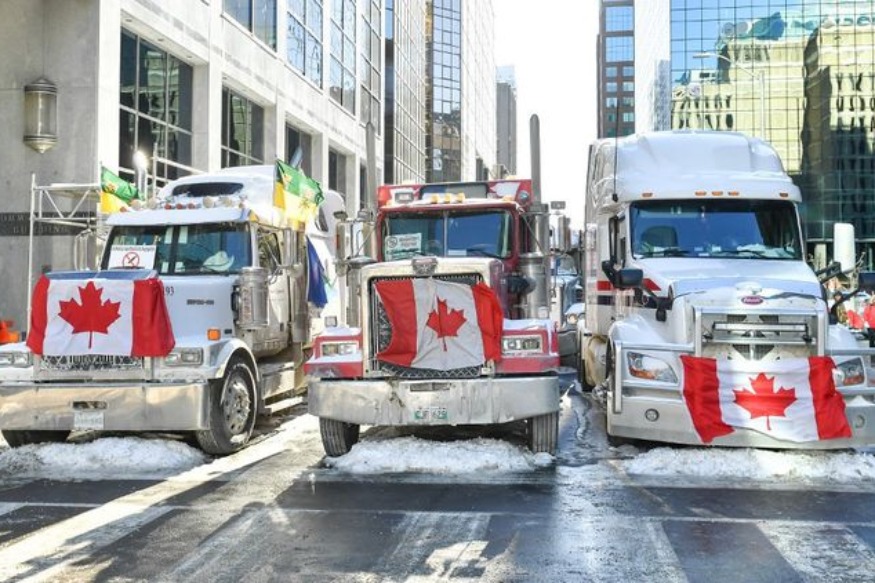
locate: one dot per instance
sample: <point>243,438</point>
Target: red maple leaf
<point>92,316</point>
<point>764,401</point>
<point>445,322</point>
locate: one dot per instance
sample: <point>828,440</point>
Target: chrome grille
<point>755,336</point>
<point>90,362</point>
<point>381,335</point>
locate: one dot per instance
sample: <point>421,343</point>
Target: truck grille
<point>381,335</point>
<point>90,362</point>
<point>755,336</point>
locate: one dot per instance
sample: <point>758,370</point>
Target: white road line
<point>822,550</point>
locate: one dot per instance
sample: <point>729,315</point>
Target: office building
<point>506,122</point>
<point>616,68</point>
<point>460,118</point>
<point>198,85</point>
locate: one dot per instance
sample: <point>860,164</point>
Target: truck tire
<point>233,408</point>
<point>543,433</point>
<point>17,438</point>
<point>338,437</point>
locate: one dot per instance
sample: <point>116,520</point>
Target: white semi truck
<point>700,305</point>
<point>233,279</point>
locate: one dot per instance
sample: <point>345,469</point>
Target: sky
<point>551,46</point>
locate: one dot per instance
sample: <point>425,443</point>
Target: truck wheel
<point>338,437</point>
<point>233,406</point>
<point>543,433</point>
<point>17,438</point>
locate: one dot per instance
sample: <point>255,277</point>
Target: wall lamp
<point>41,114</point>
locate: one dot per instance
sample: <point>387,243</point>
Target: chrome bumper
<point>674,425</point>
<point>110,407</point>
<point>481,401</point>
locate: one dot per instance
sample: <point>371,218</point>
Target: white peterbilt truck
<point>694,252</point>
<point>234,277</point>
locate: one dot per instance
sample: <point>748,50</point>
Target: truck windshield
<point>723,228</point>
<point>448,234</point>
<point>179,249</point>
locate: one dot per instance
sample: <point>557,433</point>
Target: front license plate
<point>431,414</point>
<point>87,420</point>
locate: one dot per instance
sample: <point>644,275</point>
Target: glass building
<point>460,104</point>
<point>616,87</point>
<point>800,74</point>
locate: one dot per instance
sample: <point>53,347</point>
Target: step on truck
<point>196,321</point>
<point>704,324</point>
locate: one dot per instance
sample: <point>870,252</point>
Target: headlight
<point>522,344</point>
<point>185,357</point>
<point>16,359</point>
<point>650,368</point>
<point>850,372</point>
<point>339,348</point>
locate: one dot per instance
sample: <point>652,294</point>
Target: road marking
<point>816,550</point>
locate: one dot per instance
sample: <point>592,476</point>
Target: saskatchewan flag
<point>115,192</point>
<point>297,195</point>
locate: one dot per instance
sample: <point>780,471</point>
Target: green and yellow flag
<point>115,192</point>
<point>297,195</point>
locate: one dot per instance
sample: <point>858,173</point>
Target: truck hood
<point>692,275</point>
<point>197,303</point>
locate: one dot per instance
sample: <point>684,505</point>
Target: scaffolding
<point>66,205</point>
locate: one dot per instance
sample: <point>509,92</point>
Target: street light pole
<point>759,77</point>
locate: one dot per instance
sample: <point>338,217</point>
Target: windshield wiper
<point>668,252</point>
<point>481,252</point>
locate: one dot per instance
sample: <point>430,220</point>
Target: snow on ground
<point>754,464</point>
<point>153,457</point>
<point>411,454</point>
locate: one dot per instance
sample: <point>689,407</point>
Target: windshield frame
<point>700,228</point>
<point>169,259</point>
<point>440,239</point>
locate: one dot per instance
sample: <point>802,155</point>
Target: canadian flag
<point>440,325</point>
<point>99,316</point>
<point>792,399</point>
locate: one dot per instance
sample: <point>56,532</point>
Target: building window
<point>618,48</point>
<point>242,131</point>
<point>618,18</point>
<point>628,71</point>
<point>155,102</point>
<point>304,38</point>
<point>257,16</point>
<point>611,102</point>
<point>629,86</point>
<point>610,72</point>
<point>336,171</point>
<point>369,68</point>
<point>628,117</point>
<point>610,87</point>
<point>341,73</point>
<point>295,139</point>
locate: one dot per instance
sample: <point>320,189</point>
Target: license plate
<point>87,420</point>
<point>431,414</point>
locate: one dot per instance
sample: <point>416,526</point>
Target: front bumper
<point>674,425</point>
<point>110,407</point>
<point>480,401</point>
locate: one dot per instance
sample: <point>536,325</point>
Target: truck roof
<point>684,164</point>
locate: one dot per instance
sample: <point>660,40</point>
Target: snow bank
<point>411,454</point>
<point>108,457</point>
<point>753,464</point>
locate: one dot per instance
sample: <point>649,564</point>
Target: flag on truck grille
<point>793,399</point>
<point>439,324</point>
<point>99,316</point>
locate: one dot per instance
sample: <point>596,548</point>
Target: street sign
<point>557,205</point>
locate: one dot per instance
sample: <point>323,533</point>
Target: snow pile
<point>109,457</point>
<point>411,454</point>
<point>755,464</point>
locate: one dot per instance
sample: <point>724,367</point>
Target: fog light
<point>859,421</point>
<point>651,415</point>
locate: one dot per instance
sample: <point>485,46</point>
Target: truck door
<point>278,287</point>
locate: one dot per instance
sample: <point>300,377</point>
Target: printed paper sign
<point>401,246</point>
<point>132,257</point>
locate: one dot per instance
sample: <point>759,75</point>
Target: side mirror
<point>625,278</point>
<point>519,284</point>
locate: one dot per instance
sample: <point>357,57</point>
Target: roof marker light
<point>701,193</point>
<point>646,195</point>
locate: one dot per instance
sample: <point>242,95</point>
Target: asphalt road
<point>274,512</point>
